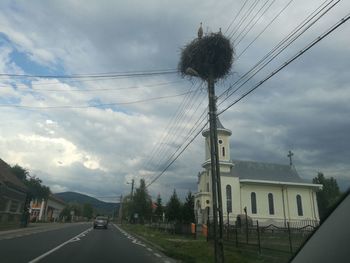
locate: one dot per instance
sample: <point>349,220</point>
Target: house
<point>46,210</point>
<point>267,192</point>
<point>13,195</point>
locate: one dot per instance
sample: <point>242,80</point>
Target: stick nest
<point>210,56</point>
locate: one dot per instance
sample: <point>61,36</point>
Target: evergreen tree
<point>173,209</point>
<point>188,209</point>
<point>142,203</point>
<point>328,196</point>
<point>159,210</point>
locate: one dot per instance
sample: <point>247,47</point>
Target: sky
<point>145,121</point>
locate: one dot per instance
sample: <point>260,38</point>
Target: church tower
<point>223,147</point>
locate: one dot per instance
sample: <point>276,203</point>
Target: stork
<point>200,31</point>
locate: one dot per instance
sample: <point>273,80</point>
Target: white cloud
<point>299,109</point>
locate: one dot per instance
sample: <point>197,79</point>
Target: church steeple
<point>223,146</point>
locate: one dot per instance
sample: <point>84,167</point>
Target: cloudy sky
<point>81,144</point>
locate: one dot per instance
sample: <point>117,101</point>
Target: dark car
<point>101,221</point>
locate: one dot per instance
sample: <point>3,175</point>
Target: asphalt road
<point>78,243</point>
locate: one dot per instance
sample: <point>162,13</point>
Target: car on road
<point>101,221</point>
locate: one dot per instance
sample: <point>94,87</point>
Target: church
<point>267,192</point>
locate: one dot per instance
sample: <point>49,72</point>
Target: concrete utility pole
<point>132,187</point>
<point>215,170</point>
<point>121,209</point>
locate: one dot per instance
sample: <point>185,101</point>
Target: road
<point>77,243</point>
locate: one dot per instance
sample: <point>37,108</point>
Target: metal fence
<point>175,228</point>
<point>286,239</point>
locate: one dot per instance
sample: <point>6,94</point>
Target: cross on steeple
<point>290,154</point>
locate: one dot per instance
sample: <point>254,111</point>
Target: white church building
<point>271,193</point>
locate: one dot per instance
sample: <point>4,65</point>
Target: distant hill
<point>100,206</point>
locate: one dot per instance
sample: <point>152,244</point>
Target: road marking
<point>137,242</point>
<point>73,239</point>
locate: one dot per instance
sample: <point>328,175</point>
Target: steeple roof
<point>220,128</point>
<point>219,124</point>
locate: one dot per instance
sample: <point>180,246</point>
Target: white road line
<point>156,254</point>
<point>149,249</point>
<point>59,246</point>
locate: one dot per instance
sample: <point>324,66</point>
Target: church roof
<point>265,171</point>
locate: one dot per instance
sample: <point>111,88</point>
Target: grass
<point>188,249</point>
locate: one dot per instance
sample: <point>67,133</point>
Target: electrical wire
<point>280,47</point>
<point>98,76</point>
<point>283,65</point>
<point>93,106</point>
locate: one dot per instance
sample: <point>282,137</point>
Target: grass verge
<point>190,250</point>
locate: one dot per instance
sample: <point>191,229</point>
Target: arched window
<point>271,206</point>
<point>229,198</point>
<point>299,206</point>
<point>253,201</point>
<point>223,151</point>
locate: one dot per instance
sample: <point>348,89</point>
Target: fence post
<point>208,230</point>
<point>228,226</point>
<point>236,234</point>
<point>257,228</point>
<point>246,223</point>
<point>290,239</point>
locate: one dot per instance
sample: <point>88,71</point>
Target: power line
<point>280,47</point>
<point>95,105</point>
<point>239,12</point>
<point>256,21</point>
<point>278,14</point>
<point>243,19</point>
<point>103,89</point>
<point>98,76</point>
<point>180,129</point>
<point>176,157</point>
<point>170,126</point>
<point>298,54</point>
<point>252,20</point>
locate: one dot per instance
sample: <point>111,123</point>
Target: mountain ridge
<point>101,207</point>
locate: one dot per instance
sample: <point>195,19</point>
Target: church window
<point>220,141</point>
<point>207,187</point>
<point>271,205</point>
<point>229,198</point>
<point>223,151</point>
<point>253,201</point>
<point>299,206</point>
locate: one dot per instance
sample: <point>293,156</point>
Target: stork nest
<point>210,56</point>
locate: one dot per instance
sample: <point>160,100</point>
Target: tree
<point>142,203</point>
<point>159,210</point>
<point>173,208</point>
<point>328,196</point>
<point>36,190</point>
<point>188,209</point>
<point>88,211</point>
<point>20,172</point>
<point>69,208</point>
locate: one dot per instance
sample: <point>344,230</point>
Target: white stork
<point>200,31</point>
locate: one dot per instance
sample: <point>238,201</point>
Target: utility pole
<point>215,170</point>
<point>121,209</point>
<point>132,187</point>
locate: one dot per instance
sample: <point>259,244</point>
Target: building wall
<point>284,201</point>
<point>11,207</point>
<point>287,194</point>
